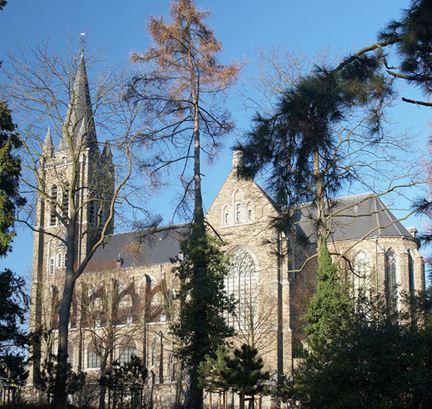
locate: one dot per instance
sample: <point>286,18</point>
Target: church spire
<point>48,146</point>
<point>106,152</point>
<point>79,122</point>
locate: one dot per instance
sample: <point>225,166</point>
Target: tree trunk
<point>102,387</point>
<point>242,400</point>
<point>60,395</point>
<point>320,203</point>
<point>195,392</point>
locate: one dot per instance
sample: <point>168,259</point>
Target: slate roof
<point>356,217</point>
<point>140,248</point>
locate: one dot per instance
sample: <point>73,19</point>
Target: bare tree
<point>106,304</point>
<point>72,190</point>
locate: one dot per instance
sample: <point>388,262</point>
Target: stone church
<point>271,273</point>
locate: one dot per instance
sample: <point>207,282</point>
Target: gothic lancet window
<point>153,351</point>
<point>391,280</point>
<point>411,272</point>
<point>91,212</point>
<point>241,283</point>
<point>126,352</point>
<point>226,216</point>
<point>250,212</point>
<point>53,197</point>
<point>65,201</point>
<point>361,273</point>
<point>93,358</point>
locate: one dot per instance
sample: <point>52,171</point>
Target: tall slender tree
<point>182,80</point>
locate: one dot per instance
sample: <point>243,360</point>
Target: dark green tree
<point>13,308</point>
<point>211,371</point>
<point>331,308</point>
<point>298,143</point>
<point>376,362</point>
<point>2,4</point>
<point>46,381</point>
<point>201,326</point>
<point>13,298</point>
<point>412,38</point>
<point>127,379</point>
<point>10,169</point>
<point>244,373</point>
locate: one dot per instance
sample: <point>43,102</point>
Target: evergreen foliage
<point>10,169</point>
<point>46,381</point>
<point>212,370</point>
<point>412,34</point>
<point>376,362</point>
<point>127,375</point>
<point>13,308</point>
<point>304,122</point>
<point>201,327</point>
<point>244,372</point>
<point>331,309</point>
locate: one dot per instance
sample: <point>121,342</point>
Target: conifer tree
<point>10,169</point>
<point>201,326</point>
<point>183,77</point>
<point>298,143</point>
<point>244,373</point>
<point>13,300</point>
<point>331,309</point>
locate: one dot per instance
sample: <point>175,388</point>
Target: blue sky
<point>244,28</point>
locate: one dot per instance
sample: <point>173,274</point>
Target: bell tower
<point>75,187</point>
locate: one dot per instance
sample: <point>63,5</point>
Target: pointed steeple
<point>48,146</point>
<point>107,160</point>
<point>106,152</point>
<point>79,122</point>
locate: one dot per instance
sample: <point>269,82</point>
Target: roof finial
<point>82,43</point>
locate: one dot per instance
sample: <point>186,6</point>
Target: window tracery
<point>391,280</point>
<point>361,273</point>
<point>241,283</point>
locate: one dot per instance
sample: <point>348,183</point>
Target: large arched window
<point>391,280</point>
<point>241,282</point>
<point>361,273</point>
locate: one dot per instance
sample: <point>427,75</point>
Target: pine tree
<point>244,373</point>
<point>298,143</point>
<point>412,37</point>
<point>211,371</point>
